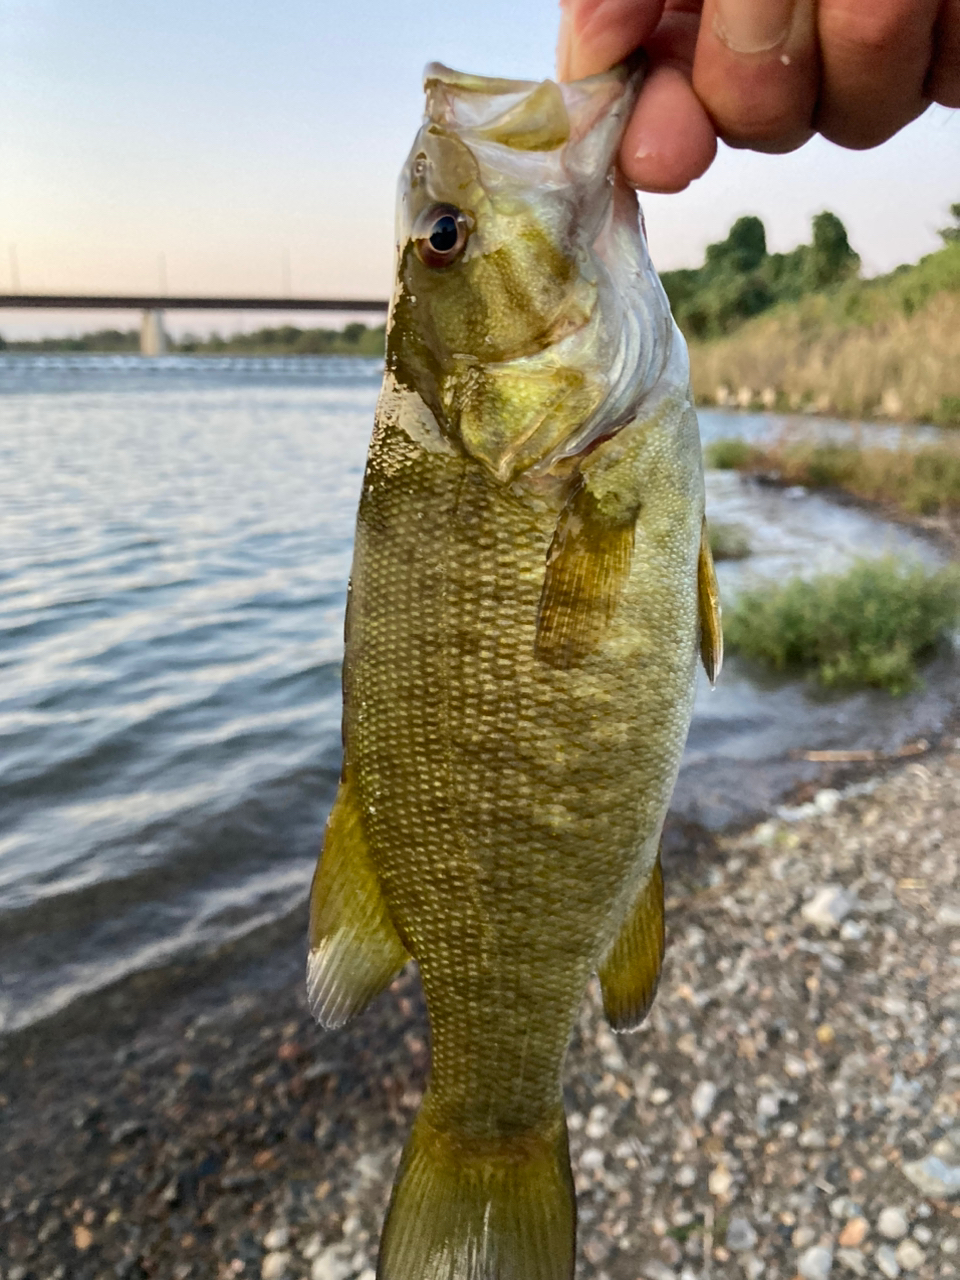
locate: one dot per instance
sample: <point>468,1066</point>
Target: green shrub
<point>867,627</point>
<point>728,541</point>
<point>729,455</point>
<point>948,414</point>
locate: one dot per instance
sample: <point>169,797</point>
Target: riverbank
<point>783,1109</point>
<point>884,349</point>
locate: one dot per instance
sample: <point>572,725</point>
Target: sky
<point>233,147</point>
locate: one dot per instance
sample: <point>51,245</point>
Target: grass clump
<point>866,628</point>
<point>728,541</point>
<point>729,454</point>
<point>923,481</point>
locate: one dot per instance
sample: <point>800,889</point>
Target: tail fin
<point>466,1210</point>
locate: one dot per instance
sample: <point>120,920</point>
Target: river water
<point>175,540</point>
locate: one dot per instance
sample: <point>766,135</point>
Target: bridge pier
<point>153,339</point>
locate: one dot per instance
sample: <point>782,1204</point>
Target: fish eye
<point>440,235</point>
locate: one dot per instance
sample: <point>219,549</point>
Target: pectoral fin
<point>631,970</point>
<point>587,567</point>
<point>354,948</point>
<point>708,597</point>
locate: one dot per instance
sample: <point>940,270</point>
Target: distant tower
<point>153,339</point>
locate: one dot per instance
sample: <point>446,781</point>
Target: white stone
<point>660,1096</point>
<point>815,1263</point>
<point>334,1263</point>
<point>275,1265</point>
<point>950,1245</point>
<point>741,1237</point>
<point>923,1234</point>
<point>892,1223</point>
<point>686,1176</point>
<point>720,1181</point>
<point>828,906</point>
<point>592,1158</point>
<point>753,1267</point>
<point>949,915</point>
<point>278,1238</point>
<point>703,1098</point>
<point>853,1260</point>
<point>910,1255</point>
<point>934,1177</point>
<point>886,1260</point>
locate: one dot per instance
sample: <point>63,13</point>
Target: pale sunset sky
<point>231,139</point>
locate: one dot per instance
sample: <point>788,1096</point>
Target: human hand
<point>764,74</point>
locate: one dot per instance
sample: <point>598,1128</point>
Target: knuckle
<point>866,28</point>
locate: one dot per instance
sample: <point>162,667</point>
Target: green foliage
<point>868,627</point>
<point>104,341</point>
<point>948,414</point>
<point>729,455</point>
<point>951,235</point>
<point>728,541</point>
<point>287,340</point>
<point>739,279</point>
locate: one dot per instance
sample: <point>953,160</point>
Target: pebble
<point>934,1177</point>
<point>275,1265</point>
<point>278,1238</point>
<point>720,1181</point>
<point>815,1263</point>
<point>741,1237</point>
<point>853,1260</point>
<point>886,1260</point>
<point>703,1098</point>
<point>910,1255</point>
<point>334,1263</point>
<point>686,1176</point>
<point>854,1233</point>
<point>892,1223</point>
<point>827,908</point>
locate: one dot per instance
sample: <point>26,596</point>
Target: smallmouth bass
<point>531,586</point>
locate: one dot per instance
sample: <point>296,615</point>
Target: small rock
<point>910,1255</point>
<point>853,1260</point>
<point>854,1233</point>
<point>827,908</point>
<point>950,1245</point>
<point>686,1176</point>
<point>934,1177</point>
<point>753,1267</point>
<point>741,1237</point>
<point>278,1238</point>
<point>948,915</point>
<point>852,930</point>
<point>127,1131</point>
<point>334,1263</point>
<point>659,1271</point>
<point>923,1234</point>
<point>815,1263</point>
<point>703,1098</point>
<point>892,1223</point>
<point>802,1237</point>
<point>659,1096</point>
<point>275,1265</point>
<point>886,1260</point>
<point>82,1237</point>
<point>720,1181</point>
<point>592,1158</point>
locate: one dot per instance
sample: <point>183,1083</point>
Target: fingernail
<point>563,45</point>
<point>752,26</point>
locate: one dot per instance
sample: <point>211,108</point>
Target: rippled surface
<point>175,540</point>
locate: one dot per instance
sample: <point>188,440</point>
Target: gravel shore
<point>790,1109</point>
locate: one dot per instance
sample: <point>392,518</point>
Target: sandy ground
<point>791,1108</point>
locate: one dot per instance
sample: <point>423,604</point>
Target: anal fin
<point>708,599</point>
<point>631,969</point>
<point>354,948</point>
<point>588,565</point>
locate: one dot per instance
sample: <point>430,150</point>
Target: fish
<point>531,590</point>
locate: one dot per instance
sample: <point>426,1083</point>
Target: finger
<point>757,71</point>
<point>596,34</point>
<point>875,55</point>
<point>943,82</point>
<point>670,139</point>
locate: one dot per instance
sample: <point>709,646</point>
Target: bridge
<point>153,339</point>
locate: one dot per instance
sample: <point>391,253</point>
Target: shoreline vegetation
<point>354,339</point>
<point>803,333</point>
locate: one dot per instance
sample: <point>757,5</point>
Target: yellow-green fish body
<point>529,592</point>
